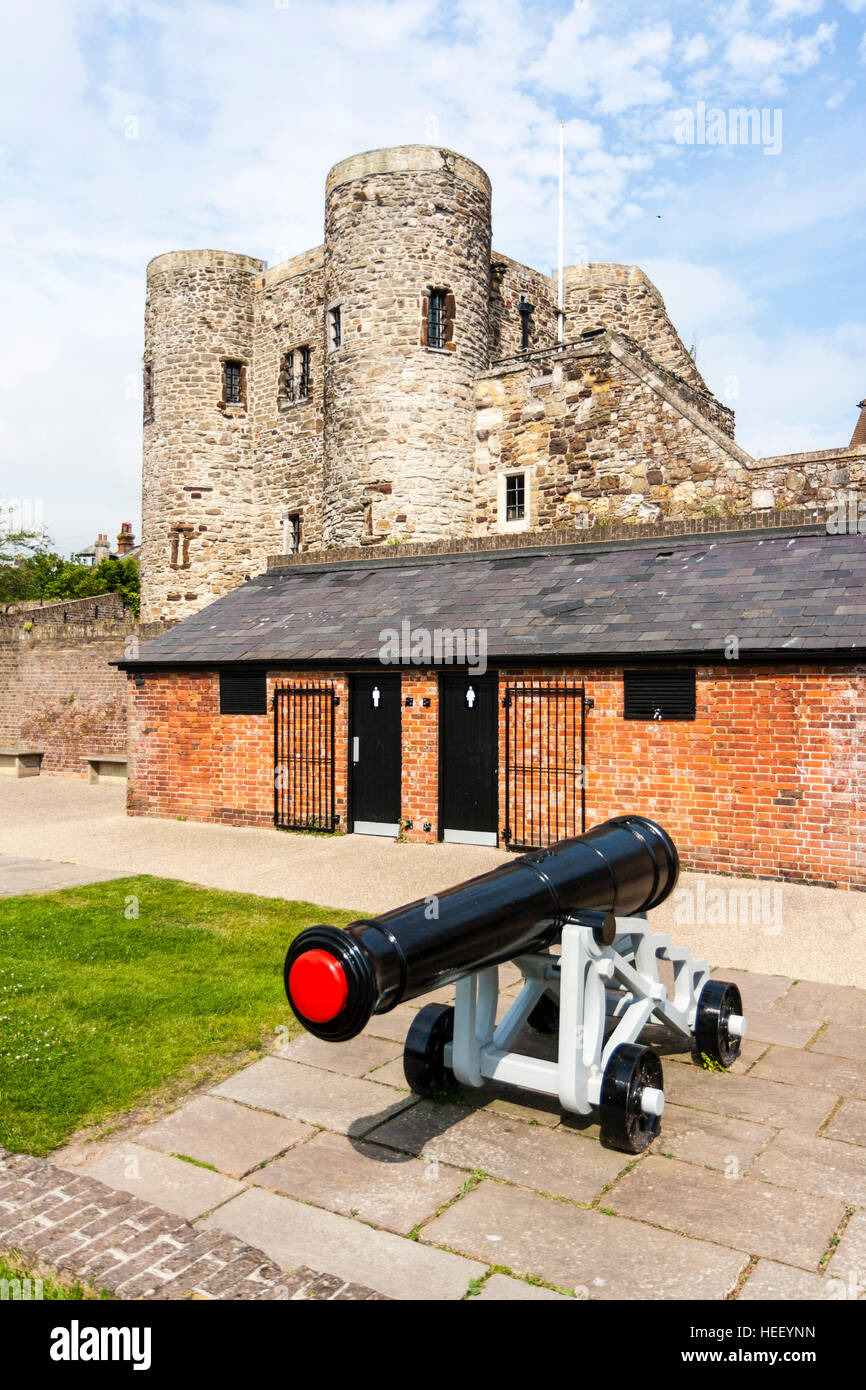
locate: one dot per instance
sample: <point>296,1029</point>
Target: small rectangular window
<point>243,692</point>
<point>293,533</point>
<point>287,377</point>
<point>526,311</point>
<point>659,694</point>
<point>148,390</point>
<point>232,381</point>
<point>303,374</point>
<point>436,319</point>
<point>335,328</point>
<point>515,497</point>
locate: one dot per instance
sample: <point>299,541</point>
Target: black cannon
<point>591,895</point>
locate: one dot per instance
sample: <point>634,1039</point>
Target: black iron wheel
<point>711,1036</point>
<point>624,1124</point>
<point>424,1051</point>
<point>544,1018</point>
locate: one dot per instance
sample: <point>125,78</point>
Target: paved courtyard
<point>319,1156</point>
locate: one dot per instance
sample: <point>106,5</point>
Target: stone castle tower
<point>404,382</point>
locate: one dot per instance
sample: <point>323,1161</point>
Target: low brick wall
<point>134,1250</point>
<point>768,780</point>
<point>58,690</point>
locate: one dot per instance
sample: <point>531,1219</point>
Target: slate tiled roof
<point>671,597</point>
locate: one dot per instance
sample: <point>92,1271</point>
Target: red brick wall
<point>186,759</point>
<point>767,780</point>
<point>57,689</point>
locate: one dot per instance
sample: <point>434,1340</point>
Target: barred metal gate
<point>545,756</point>
<point>304,781</point>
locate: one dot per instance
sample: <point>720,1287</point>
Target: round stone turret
<point>197,513</point>
<point>407,272</point>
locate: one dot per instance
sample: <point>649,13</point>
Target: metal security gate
<point>545,757</point>
<point>304,757</point>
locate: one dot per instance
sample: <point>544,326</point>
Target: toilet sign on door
<point>376,696</point>
<point>470,696</point>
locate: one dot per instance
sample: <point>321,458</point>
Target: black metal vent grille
<point>659,694</point>
<point>243,692</point>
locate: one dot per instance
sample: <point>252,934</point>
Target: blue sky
<point>129,129</point>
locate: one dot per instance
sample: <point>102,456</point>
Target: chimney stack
<point>125,539</point>
<point>100,549</point>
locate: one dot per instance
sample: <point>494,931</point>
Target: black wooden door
<point>374,754</point>
<point>469,757</point>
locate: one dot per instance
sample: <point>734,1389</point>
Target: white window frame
<point>524,523</point>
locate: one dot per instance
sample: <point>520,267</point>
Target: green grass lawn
<point>44,1283</point>
<point>102,1010</point>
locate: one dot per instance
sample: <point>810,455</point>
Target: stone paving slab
<point>848,1123</point>
<point>377,1185</point>
<point>602,1257</point>
<point>178,1187</point>
<point>395,1024</point>
<point>391,1074</point>
<point>353,1058</point>
<point>768,1026</point>
<point>749,1215</point>
<point>749,1098</point>
<point>698,1136</point>
<point>229,1136</point>
<point>758,991</point>
<point>770,1280</point>
<point>840,1075</point>
<point>750,1052</point>
<point>342,1103</point>
<point>842,1040</point>
<point>291,1234</point>
<point>564,1165</point>
<point>823,1167</point>
<point>839,1003</point>
<point>500,1288</point>
<point>850,1254</point>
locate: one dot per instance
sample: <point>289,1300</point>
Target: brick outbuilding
<point>715,681</point>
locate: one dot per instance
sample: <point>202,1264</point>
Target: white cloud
<point>694,50</point>
<point>790,9</point>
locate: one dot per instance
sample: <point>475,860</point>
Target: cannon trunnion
<point>573,920</point>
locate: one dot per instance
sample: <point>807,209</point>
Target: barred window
<point>303,374</point>
<point>515,497</point>
<point>335,328</point>
<point>436,319</point>
<point>287,377</point>
<point>232,382</point>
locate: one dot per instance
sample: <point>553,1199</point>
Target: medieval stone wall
<point>624,300</point>
<point>288,430</point>
<point>508,281</point>
<point>398,411</point>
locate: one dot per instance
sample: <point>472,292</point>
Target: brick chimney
<point>100,549</point>
<point>858,438</point>
<point>125,539</point>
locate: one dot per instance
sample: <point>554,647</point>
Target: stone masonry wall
<point>623,299</point>
<point>398,413</point>
<point>508,281</point>
<point>57,689</point>
<point>288,433</point>
<point>197,493</point>
<point>598,442</point>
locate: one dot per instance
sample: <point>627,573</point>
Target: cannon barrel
<point>336,979</point>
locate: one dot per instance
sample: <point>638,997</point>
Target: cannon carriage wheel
<point>720,1010</point>
<point>632,1098</point>
<point>424,1051</point>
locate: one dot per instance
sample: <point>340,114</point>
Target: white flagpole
<point>560,317</point>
